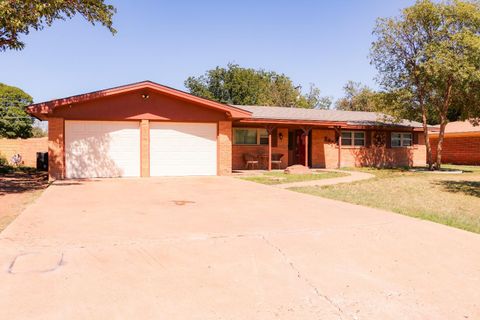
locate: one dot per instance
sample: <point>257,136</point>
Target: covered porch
<point>270,145</point>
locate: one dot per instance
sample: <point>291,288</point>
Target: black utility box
<point>42,161</point>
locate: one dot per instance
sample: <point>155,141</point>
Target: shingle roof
<point>351,117</point>
<point>460,127</point>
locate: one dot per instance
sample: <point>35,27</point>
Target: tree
<point>314,99</point>
<point>428,61</point>
<point>14,121</point>
<point>357,97</point>
<point>246,86</point>
<point>19,17</point>
<point>38,132</point>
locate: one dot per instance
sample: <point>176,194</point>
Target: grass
<point>19,186</point>
<point>450,199</point>
<point>12,210</point>
<point>272,178</point>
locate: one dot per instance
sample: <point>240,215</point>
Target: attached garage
<point>183,149</point>
<point>138,130</point>
<point>102,149</point>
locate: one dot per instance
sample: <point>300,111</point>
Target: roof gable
<point>43,109</point>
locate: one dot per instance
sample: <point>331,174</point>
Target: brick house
<point>146,129</point>
<point>461,144</point>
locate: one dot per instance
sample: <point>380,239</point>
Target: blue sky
<point>321,42</point>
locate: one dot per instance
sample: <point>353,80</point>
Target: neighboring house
<point>146,129</point>
<point>461,144</point>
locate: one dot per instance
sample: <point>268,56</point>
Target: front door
<point>299,147</point>
<point>296,146</point>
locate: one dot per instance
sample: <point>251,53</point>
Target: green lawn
<point>451,199</point>
<point>272,178</point>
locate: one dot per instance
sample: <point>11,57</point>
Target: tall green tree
<point>14,121</point>
<point>358,97</point>
<point>246,86</point>
<point>428,60</point>
<point>18,17</point>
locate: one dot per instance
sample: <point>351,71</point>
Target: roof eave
<point>328,123</point>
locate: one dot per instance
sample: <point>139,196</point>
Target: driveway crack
<point>300,276</point>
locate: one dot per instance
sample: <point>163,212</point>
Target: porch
<point>288,146</point>
<point>323,146</point>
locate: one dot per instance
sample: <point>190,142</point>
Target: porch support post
<point>269,150</point>
<point>306,131</point>
<point>339,131</point>
<point>306,150</point>
<point>270,130</point>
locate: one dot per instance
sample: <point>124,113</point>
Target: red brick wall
<point>224,148</point>
<point>56,148</point>
<point>324,149</point>
<point>27,148</point>
<point>145,148</point>
<point>325,153</point>
<point>282,147</point>
<point>459,148</point>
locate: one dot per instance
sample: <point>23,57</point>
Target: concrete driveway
<point>222,248</point>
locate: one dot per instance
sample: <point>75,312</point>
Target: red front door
<point>299,147</point>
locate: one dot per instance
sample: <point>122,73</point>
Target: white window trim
<point>352,137</point>
<point>247,144</point>
<point>402,139</point>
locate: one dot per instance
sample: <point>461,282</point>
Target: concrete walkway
<point>354,176</point>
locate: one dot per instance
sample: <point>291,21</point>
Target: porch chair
<point>277,159</point>
<point>250,160</point>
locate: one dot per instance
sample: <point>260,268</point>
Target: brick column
<point>56,148</point>
<point>224,148</point>
<point>145,148</point>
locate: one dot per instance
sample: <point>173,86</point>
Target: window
<point>401,139</point>
<point>353,138</point>
<point>263,136</point>
<point>250,136</point>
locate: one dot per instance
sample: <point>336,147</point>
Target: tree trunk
<point>441,134</point>
<point>427,141</point>
<point>443,123</point>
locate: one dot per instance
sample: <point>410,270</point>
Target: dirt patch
<point>17,190</point>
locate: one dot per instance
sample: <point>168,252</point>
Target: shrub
<point>3,160</point>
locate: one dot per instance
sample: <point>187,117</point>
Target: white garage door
<point>183,149</point>
<point>102,149</point>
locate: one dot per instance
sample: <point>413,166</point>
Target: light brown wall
<point>27,148</point>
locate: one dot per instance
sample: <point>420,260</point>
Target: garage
<point>141,129</point>
<point>183,149</point>
<point>102,149</point>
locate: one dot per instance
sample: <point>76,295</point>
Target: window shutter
<point>275,138</point>
<point>388,139</point>
<point>368,138</point>
<point>415,138</point>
